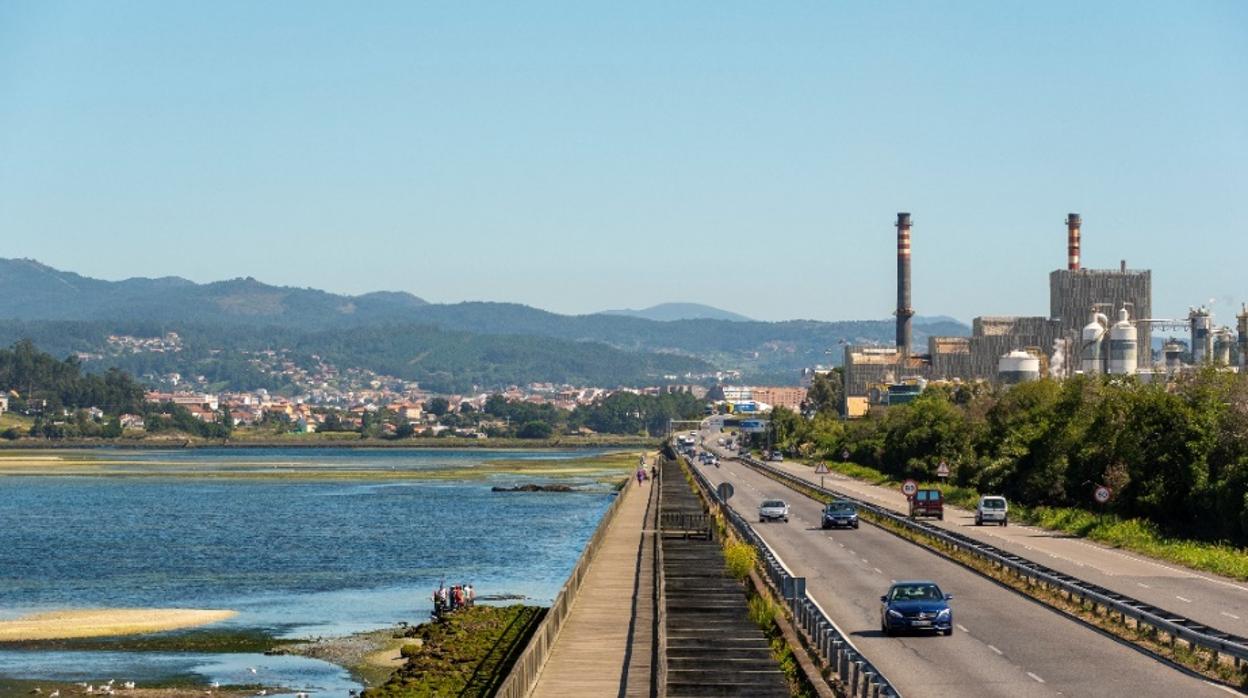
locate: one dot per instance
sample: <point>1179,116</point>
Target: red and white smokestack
<point>1073,223</point>
<point>904,311</point>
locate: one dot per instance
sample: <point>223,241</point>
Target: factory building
<point>1055,344</point>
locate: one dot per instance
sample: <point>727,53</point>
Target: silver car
<point>992,509</point>
<point>772,510</point>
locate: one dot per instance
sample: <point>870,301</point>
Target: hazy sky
<point>581,156</point>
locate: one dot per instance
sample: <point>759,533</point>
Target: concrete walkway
<point>606,645</point>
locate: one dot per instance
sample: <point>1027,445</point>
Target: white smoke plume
<point>1057,363</point>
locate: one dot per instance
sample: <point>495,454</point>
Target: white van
<point>992,509</point>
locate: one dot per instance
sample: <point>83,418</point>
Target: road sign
<point>845,454</point>
<point>909,487</point>
<point>725,491</point>
<point>1102,494</point>
<point>942,470</point>
<point>821,469</point>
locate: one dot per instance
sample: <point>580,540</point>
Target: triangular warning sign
<point>821,469</point>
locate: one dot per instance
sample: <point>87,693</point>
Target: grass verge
<point>468,655</point>
<point>1136,535</point>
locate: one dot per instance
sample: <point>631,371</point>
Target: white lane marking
<point>879,571</point>
<point>1037,678</point>
<point>994,649</point>
<point>1144,585</point>
<point>963,628</point>
<point>1180,598</point>
<point>1224,688</point>
<point>1230,615</point>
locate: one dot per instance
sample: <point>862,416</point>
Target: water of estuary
<point>301,543</point>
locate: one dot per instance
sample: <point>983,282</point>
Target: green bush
<point>739,559</point>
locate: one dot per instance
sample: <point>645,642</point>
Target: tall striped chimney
<point>1073,223</point>
<point>904,311</point>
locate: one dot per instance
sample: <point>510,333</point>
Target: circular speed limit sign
<point>1102,494</point>
<point>909,487</point>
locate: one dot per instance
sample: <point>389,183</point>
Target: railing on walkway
<point>858,676</point>
<point>1173,625</point>
<point>523,676</point>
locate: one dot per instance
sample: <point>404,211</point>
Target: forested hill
<point>441,360</point>
<point>33,291</point>
<point>771,350</point>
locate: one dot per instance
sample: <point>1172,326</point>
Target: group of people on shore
<point>447,599</point>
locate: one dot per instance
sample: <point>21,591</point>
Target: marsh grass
<point>604,468</point>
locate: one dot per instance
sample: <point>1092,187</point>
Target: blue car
<point>916,605</point>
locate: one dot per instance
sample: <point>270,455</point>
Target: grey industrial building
<point>1074,293</point>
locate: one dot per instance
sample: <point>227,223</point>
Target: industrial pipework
<point>1073,223</point>
<point>904,311</point>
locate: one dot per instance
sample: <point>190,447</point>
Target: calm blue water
<point>305,557</point>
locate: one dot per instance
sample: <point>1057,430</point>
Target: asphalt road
<point>1003,643</point>
<point>1217,602</point>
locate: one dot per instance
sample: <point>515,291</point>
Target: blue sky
<point>582,156</point>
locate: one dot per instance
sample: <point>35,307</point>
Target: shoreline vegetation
<point>346,440</point>
<point>602,468</point>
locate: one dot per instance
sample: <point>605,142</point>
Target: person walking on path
<point>641,476</point>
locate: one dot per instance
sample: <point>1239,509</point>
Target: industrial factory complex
<point>1100,321</point>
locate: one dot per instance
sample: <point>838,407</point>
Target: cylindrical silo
<point>1222,346</point>
<point>1018,367</point>
<point>1090,359</point>
<point>1174,356</point>
<point>1122,346</point>
<point>1202,335</point>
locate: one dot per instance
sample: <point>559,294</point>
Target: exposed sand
<point>105,622</point>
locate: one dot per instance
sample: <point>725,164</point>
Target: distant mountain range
<point>667,312</point>
<point>82,311</point>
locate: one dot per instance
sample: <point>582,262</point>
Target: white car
<point>773,509</point>
<point>992,509</point>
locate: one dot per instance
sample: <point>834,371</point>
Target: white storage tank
<point>1123,349</point>
<point>1222,344</point>
<point>1174,356</point>
<point>1090,359</point>
<point>1018,367</point>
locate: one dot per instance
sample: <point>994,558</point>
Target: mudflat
<point>105,622</point>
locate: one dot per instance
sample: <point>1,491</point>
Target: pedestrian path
<point>606,645</point>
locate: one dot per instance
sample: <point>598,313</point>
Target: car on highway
<point>773,509</point>
<point>927,502</point>
<point>992,509</point>
<point>840,514</point>
<point>776,456</point>
<point>917,605</point>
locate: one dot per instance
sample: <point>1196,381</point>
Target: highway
<point>1217,602</point>
<point>1003,644</point>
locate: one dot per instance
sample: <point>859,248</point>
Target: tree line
<point>1174,454</point>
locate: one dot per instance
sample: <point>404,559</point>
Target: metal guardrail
<point>858,676</point>
<point>523,675</point>
<point>1175,626</point>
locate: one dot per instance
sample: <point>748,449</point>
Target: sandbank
<point>105,622</point>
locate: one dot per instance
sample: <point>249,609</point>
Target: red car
<point>927,503</point>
